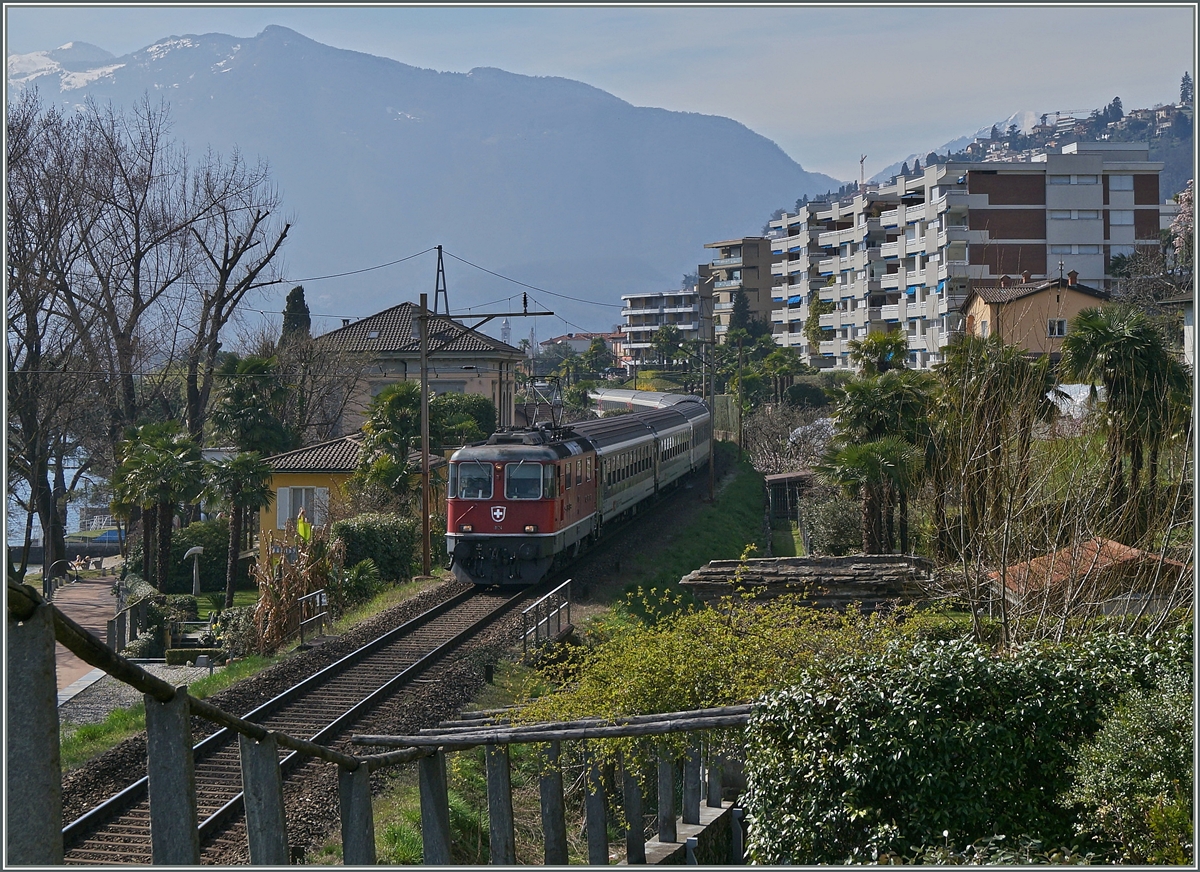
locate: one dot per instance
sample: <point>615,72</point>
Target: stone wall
<point>828,582</point>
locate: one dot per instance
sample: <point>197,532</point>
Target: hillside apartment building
<point>903,256</point>
<point>743,264</point>
<point>645,313</point>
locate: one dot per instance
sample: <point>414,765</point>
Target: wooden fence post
<point>554,821</point>
<point>121,637</point>
<point>171,777</point>
<point>691,786</point>
<point>597,823</point>
<point>358,819</point>
<point>666,796</point>
<point>262,792</point>
<point>502,848</point>
<point>435,810</point>
<point>635,835</point>
<point>33,766</point>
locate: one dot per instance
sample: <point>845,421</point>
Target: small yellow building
<point>310,478</point>
<point>1034,315</point>
<point>305,479</point>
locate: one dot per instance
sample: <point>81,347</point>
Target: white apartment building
<point>645,313</point>
<point>901,256</point>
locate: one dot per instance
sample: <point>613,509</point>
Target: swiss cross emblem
<point>498,513</point>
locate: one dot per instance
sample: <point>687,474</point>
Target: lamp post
<point>423,322</point>
<point>712,386</point>
<point>195,553</point>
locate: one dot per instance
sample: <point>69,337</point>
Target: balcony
<point>728,261</point>
<point>891,218</point>
<point>831,319</point>
<point>831,346</point>
<point>950,304</point>
<point>875,314</point>
<point>728,283</point>
<point>890,282</point>
<point>914,213</point>
<point>722,307</point>
<point>957,269</point>
<point>890,313</point>
<point>890,249</point>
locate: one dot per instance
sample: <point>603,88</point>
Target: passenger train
<point>526,500</point>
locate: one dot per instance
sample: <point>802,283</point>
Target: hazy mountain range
<point>1025,121</point>
<point>547,180</point>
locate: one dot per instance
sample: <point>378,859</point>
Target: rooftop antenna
<point>439,285</point>
<point>862,179</point>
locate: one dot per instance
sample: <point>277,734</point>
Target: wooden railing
<point>34,777</point>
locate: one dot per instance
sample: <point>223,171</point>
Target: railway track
<point>320,708</point>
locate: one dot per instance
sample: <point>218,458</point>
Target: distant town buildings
<point>904,256</point>
<point>645,313</point>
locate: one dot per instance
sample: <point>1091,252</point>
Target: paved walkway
<point>88,602</point>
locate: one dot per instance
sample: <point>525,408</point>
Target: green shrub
<point>1134,779</point>
<point>147,644</point>
<point>834,525</point>
<point>872,754</point>
<point>237,631</point>
<point>213,536</point>
<point>357,585</point>
<point>390,540</point>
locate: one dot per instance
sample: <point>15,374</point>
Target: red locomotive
<point>528,499</point>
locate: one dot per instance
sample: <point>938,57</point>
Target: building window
<point>1060,214</point>
<point>1120,217</point>
<point>1120,183</point>
<point>1087,180</point>
<point>1058,180</point>
<point>1087,249</point>
<point>983,329</point>
<point>1088,214</point>
<point>1060,249</point>
<point>1056,327</point>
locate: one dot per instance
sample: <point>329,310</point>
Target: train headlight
<point>531,528</point>
<point>466,528</point>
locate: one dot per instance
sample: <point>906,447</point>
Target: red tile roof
<point>1075,562</point>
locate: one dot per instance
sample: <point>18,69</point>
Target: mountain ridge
<point>379,159</point>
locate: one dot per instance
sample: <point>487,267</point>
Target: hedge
<point>941,740</point>
<point>213,536</point>
<point>390,540</point>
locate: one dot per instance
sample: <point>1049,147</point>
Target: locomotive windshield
<point>471,480</point>
<point>523,481</point>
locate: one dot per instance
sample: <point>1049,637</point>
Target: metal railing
<point>317,604</point>
<point>548,611</point>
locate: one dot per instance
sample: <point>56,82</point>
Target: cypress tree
<point>296,320</point>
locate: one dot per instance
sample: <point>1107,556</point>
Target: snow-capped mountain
<point>549,180</point>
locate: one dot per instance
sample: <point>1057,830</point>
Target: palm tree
<point>392,428</point>
<point>160,469</point>
<point>243,484</point>
<point>873,471</point>
<point>247,409</point>
<point>879,352</point>
<point>1118,348</point>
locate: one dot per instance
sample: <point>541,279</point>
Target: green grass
<point>240,598</point>
<point>390,597</point>
<point>786,540</point>
<point>716,532</point>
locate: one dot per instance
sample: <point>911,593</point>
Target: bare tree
<point>44,371</point>
<point>237,246</point>
<point>783,438</point>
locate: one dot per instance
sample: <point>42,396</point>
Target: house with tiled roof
<point>461,360</point>
<point>1035,315</point>
<point>309,478</point>
<point>1095,576</point>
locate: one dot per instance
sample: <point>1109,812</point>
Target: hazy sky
<point>826,83</point>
